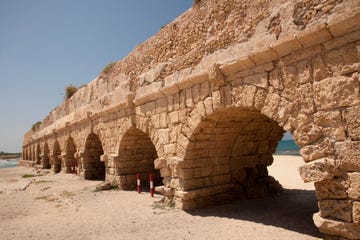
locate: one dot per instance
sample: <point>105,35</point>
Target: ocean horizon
<point>9,163</point>
<point>285,147</point>
<point>288,147</point>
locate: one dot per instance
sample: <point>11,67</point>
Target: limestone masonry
<point>203,104</point>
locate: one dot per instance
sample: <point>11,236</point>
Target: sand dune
<point>63,206</point>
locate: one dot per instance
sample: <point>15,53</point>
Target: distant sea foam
<point>8,163</point>
<point>288,147</point>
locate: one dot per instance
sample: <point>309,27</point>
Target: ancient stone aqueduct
<point>204,102</point>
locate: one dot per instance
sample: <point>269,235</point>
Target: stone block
<point>352,120</point>
<point>341,41</point>
<point>165,172</point>
<point>348,155</point>
<point>243,96</point>
<point>301,54</point>
<point>354,185</point>
<point>318,170</point>
<point>159,163</point>
<point>215,76</point>
<point>208,103</point>
<point>148,93</point>
<point>263,56</point>
<point>334,188</point>
<point>356,212</point>
<point>163,135</point>
<point>336,92</point>
<point>204,90</point>
<point>160,189</point>
<point>163,120</point>
<point>236,65</point>
<point>170,85</point>
<point>170,149</point>
<point>337,228</point>
<point>336,209</point>
<point>259,80</point>
<point>344,24</point>
<point>286,46</point>
<point>308,133</point>
<point>322,149</point>
<point>331,124</point>
<point>314,35</point>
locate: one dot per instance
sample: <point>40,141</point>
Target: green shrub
<point>28,175</point>
<point>108,67</point>
<point>70,91</point>
<point>36,126</point>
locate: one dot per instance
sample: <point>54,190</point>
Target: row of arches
<point>136,155</point>
<point>231,146</point>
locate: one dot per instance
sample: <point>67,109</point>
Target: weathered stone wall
<point>205,101</point>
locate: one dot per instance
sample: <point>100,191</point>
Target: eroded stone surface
<point>203,104</point>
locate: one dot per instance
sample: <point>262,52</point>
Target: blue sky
<point>46,45</point>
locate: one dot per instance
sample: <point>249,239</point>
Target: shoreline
<point>64,206</point>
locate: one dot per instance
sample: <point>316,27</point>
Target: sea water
<point>287,147</point>
<point>8,163</point>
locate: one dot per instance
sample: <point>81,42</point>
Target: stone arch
<point>136,154</point>
<point>30,153</point>
<point>228,152</point>
<point>34,153</point>
<point>56,157</point>
<point>45,160</point>
<point>25,154</point>
<point>69,158</point>
<point>38,154</point>
<point>93,167</point>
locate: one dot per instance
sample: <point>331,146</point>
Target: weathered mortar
<point>209,108</point>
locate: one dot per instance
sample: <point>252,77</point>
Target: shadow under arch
<point>38,154</point>
<point>227,157</point>
<point>45,161</point>
<point>93,167</point>
<point>69,158</point>
<point>56,161</point>
<point>136,154</point>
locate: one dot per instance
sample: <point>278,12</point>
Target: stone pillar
<point>337,187</point>
<point>55,163</point>
<point>79,158</point>
<point>66,162</point>
<point>45,161</point>
<point>167,172</point>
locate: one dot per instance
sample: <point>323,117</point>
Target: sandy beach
<point>64,206</point>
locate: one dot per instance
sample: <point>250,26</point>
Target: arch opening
<point>69,158</point>
<point>38,154</point>
<point>137,154</point>
<point>30,154</point>
<point>34,154</point>
<point>56,157</point>
<point>45,157</point>
<point>227,157</point>
<point>94,168</point>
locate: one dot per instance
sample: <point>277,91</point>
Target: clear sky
<point>46,45</point>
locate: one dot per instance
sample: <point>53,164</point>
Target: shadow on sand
<point>291,210</point>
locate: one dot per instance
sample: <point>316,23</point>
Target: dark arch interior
<point>94,169</point>
<point>136,155</point>
<point>56,157</point>
<point>45,159</point>
<point>69,159</point>
<point>30,154</point>
<point>232,148</point>
<point>38,154</point>
<point>34,153</point>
